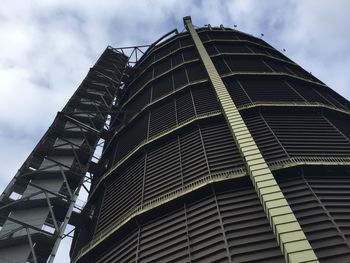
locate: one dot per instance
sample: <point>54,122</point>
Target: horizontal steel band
<point>202,182</point>
<point>154,138</point>
<point>308,160</point>
<point>273,74</point>
<point>241,107</point>
<point>255,54</point>
<point>186,62</point>
<point>155,49</point>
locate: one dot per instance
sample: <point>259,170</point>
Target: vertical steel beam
<point>63,227</point>
<point>291,238</point>
<point>227,247</point>
<point>31,246</point>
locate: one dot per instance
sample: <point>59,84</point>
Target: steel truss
<point>135,53</point>
<point>38,203</point>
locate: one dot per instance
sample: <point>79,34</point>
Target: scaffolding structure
<point>39,202</point>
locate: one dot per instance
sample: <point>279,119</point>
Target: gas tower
<point>216,148</point>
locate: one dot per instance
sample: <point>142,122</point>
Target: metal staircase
<point>38,203</point>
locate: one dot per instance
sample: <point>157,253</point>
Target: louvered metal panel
<point>194,164</point>
<point>168,166</point>
<point>177,59</point>
<point>161,67</point>
<point>206,237</point>
<point>248,234</point>
<point>180,77</point>
<point>246,90</point>
<point>222,224</point>
<point>221,65</point>
<point>232,48</point>
<point>260,50</point>
<point>321,204</point>
<point>137,104</point>
<point>132,135</point>
<point>246,64</point>
<point>340,122</point>
<point>195,72</point>
<point>186,40</point>
<point>162,86</point>
<point>204,99</point>
<point>270,90</point>
<point>164,240</point>
<point>220,149</point>
<point>122,194</point>
<point>238,94</point>
<point>162,117</point>
<point>308,135</point>
<point>292,69</point>
<point>160,179</point>
<point>336,101</point>
<point>142,80</point>
<point>184,106</point>
<point>309,92</point>
<point>125,250</point>
<point>190,53</point>
<point>265,138</point>
<point>210,47</point>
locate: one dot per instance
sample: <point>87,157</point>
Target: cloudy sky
<point>47,47</point>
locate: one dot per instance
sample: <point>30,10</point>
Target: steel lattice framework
<point>38,203</point>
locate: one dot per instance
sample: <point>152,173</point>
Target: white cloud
<point>48,46</point>
<point>15,150</point>
<point>319,40</point>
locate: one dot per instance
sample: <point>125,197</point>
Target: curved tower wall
<point>174,186</point>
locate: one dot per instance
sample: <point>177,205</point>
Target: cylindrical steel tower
<point>223,150</point>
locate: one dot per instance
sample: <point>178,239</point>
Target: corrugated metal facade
<point>175,189</point>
